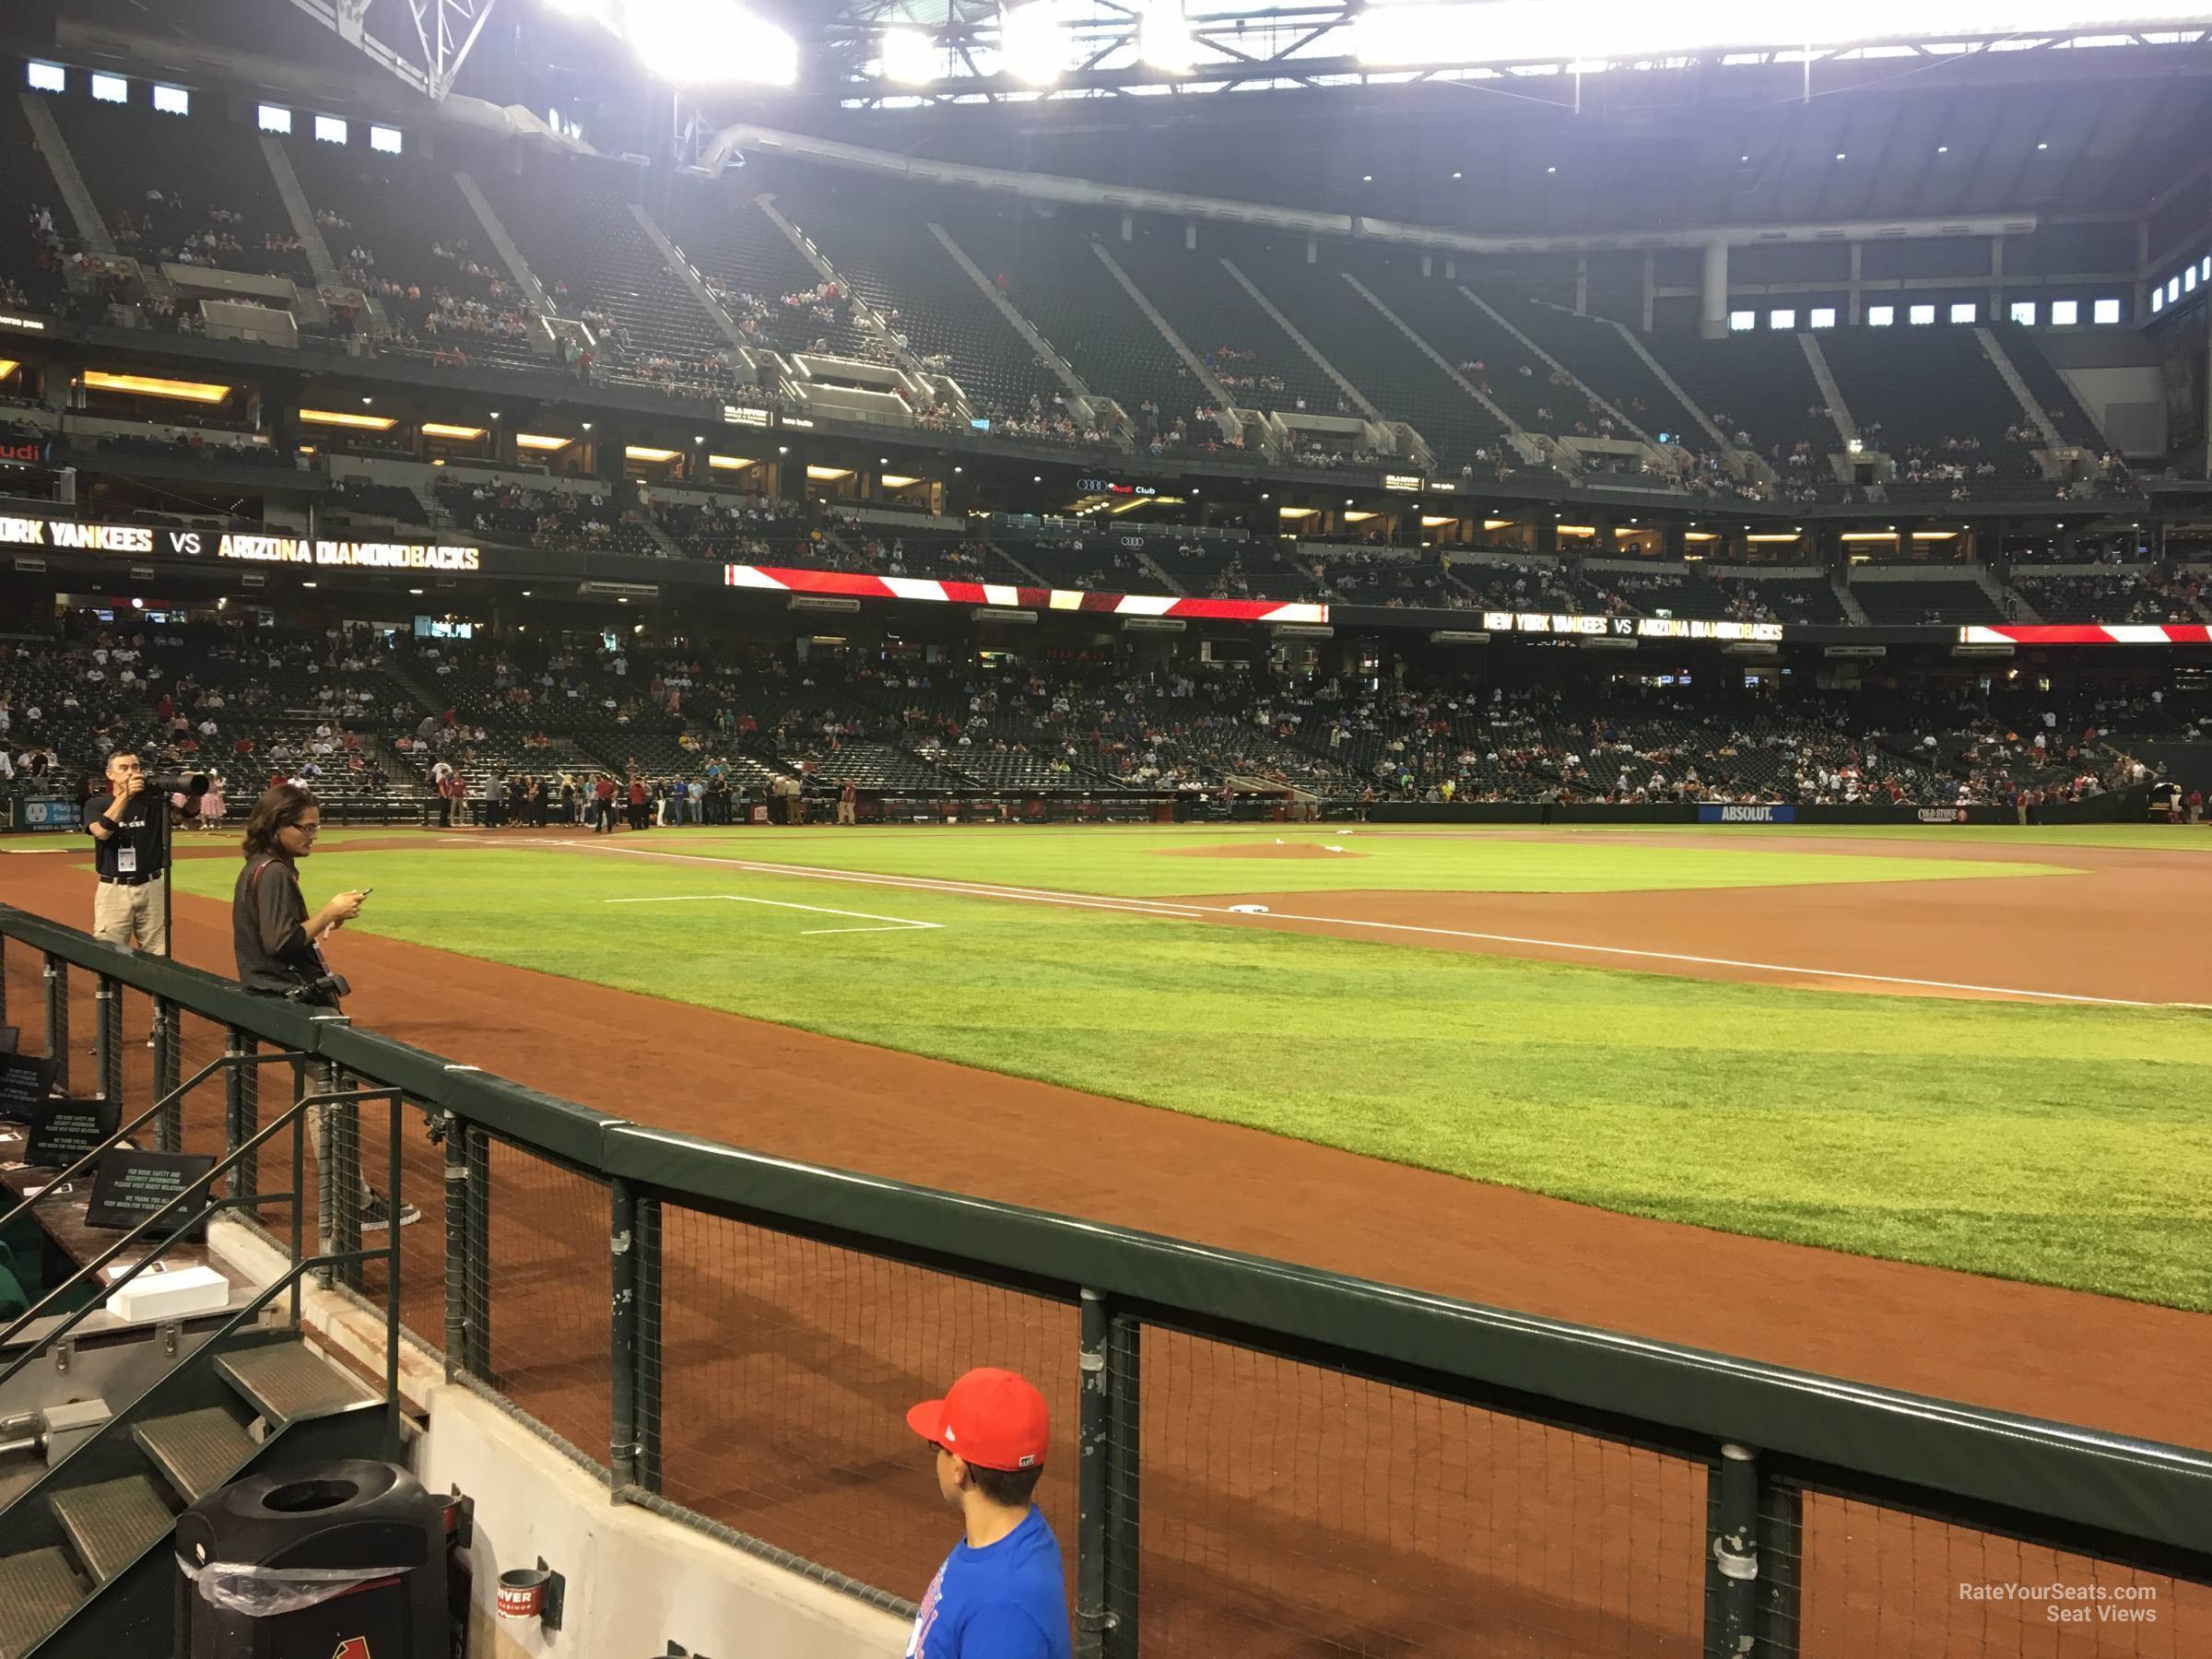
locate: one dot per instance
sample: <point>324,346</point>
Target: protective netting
<point>785,1367</point>
<point>1875,1580</point>
<point>1287,1509</point>
<point>540,1295</point>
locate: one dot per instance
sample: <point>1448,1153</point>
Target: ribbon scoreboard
<point>72,536</point>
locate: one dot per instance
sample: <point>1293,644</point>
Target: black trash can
<point>339,1558</point>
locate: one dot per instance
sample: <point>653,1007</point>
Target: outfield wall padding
<point>2125,805</point>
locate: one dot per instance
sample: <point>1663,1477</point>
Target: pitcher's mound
<point>1259,850</point>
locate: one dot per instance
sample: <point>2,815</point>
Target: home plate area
<point>877,924</point>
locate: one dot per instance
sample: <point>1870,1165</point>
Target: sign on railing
<point>1635,628</point>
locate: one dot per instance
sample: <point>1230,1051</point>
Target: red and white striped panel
<point>2088,633</point>
<point>856,585</point>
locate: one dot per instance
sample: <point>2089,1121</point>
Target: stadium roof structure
<point>2062,136</point>
<point>2088,116</point>
<point>1042,50</point>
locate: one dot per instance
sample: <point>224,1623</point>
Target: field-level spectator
<point>999,1594</point>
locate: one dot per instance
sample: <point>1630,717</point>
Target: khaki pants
<point>132,915</point>
<point>844,812</point>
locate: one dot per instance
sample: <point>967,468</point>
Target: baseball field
<point>1926,1109</point>
<point>1976,1049</point>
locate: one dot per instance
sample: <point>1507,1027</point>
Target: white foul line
<point>898,924</point>
<point>926,884</point>
<point>1676,956</point>
<point>1183,912</point>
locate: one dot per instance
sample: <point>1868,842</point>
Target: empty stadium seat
<point>1906,604</point>
<point>1259,365</point>
<point>1396,375</point>
<point>886,250</point>
<point>727,234</point>
<point>1759,385</point>
<point>1055,278</point>
<point>202,165</point>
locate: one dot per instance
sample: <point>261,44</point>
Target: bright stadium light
<point>1163,37</point>
<point>1032,46</point>
<point>702,43</point>
<point>909,56</point>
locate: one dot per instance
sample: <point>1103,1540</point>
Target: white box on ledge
<point>173,1295</point>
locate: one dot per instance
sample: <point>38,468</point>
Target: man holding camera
<point>277,943</point>
<point>130,832</point>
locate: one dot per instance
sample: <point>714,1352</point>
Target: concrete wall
<point>635,1580</point>
<point>2129,404</point>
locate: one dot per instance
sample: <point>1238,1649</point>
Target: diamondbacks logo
<point>353,1647</point>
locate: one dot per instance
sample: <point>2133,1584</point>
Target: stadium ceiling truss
<point>1258,48</point>
<point>445,30</point>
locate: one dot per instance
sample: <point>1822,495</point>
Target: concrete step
<point>285,1382</point>
<point>197,1450</point>
<point>37,1590</point>
<point>111,1525</point>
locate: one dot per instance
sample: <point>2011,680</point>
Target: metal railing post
<point>648,1387</point>
<point>107,1040</point>
<point>341,1184</point>
<point>622,1346</point>
<point>393,1176</point>
<point>169,1069</point>
<point>299,1208</point>
<point>477,1220</point>
<point>241,1117</point>
<point>1123,1375</point>
<point>1094,1443</point>
<point>1732,1565</point>
<point>57,1020</point>
<point>4,979</point>
<point>456,1246</point>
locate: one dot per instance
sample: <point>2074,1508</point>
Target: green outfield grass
<point>2066,1145</point>
<point>2144,838</point>
<point>1146,863</point>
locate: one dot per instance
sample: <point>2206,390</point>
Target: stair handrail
<point>126,1131</point>
<point>239,1319</point>
<point>292,1114</point>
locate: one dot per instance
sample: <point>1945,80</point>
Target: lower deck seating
<point>2123,594</point>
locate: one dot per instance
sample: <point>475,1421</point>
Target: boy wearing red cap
<point>1001,1593</point>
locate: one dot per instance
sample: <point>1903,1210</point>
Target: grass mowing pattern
<point>1151,864</point>
<point>2066,1145</point>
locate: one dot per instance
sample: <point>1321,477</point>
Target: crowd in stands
<point>540,518</point>
<point>1393,581</point>
<point>2136,594</point>
<point>505,733</point>
<point>825,305</point>
<point>753,528</point>
<point>1630,744</point>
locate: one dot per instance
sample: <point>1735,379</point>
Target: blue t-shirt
<point>1006,1600</point>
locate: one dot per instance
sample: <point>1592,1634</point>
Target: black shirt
<point>142,826</point>
<point>268,931</point>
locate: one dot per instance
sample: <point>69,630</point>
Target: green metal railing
<point>1764,1441</point>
